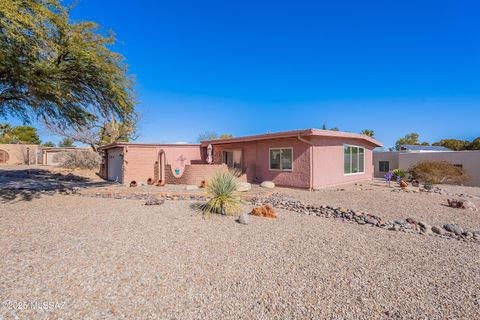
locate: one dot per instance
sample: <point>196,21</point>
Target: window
<point>384,166</point>
<point>354,159</point>
<point>281,159</point>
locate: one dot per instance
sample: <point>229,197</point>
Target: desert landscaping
<point>90,255</point>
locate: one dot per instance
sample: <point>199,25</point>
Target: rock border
<point>409,225</point>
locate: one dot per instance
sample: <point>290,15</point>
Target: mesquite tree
<point>59,71</point>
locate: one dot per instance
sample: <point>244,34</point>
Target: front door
<point>233,158</point>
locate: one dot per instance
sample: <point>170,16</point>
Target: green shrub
<point>438,172</point>
<point>399,173</point>
<point>222,189</point>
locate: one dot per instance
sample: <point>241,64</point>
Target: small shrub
<point>224,196</point>
<point>428,186</point>
<point>79,159</point>
<point>435,172</point>
<point>399,173</point>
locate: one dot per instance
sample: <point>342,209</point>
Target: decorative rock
<point>244,187</point>
<point>267,184</point>
<point>191,187</point>
<point>453,228</point>
<point>370,220</point>
<point>154,202</point>
<point>438,230</point>
<point>469,205</point>
<point>244,218</point>
<point>264,211</point>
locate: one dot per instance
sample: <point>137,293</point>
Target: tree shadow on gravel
<point>29,184</point>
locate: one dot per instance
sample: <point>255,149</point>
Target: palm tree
<point>368,132</point>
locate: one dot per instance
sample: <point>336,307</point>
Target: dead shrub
<point>438,172</point>
<point>81,159</point>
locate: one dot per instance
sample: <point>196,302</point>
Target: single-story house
<point>468,160</point>
<point>16,154</point>
<point>309,159</point>
<point>420,148</point>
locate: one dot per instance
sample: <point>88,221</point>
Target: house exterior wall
<point>391,157</point>
<point>255,161</point>
<point>328,162</point>
<point>17,153</point>
<point>140,161</point>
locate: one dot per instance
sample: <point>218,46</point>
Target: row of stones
<point>409,225</point>
<point>435,190</point>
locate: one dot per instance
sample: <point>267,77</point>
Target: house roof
<point>409,147</point>
<point>133,144</point>
<point>295,133</point>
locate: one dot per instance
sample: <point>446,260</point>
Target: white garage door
<point>115,165</point>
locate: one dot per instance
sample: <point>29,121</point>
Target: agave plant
<point>222,189</point>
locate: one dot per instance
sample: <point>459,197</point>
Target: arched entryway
<point>161,161</point>
<point>3,157</point>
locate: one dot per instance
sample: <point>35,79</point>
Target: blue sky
<point>247,67</point>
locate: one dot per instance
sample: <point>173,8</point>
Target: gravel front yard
<point>105,258</point>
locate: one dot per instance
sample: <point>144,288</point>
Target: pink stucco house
<point>309,159</point>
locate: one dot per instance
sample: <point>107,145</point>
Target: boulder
<point>244,187</point>
<point>469,205</point>
<point>267,184</point>
<point>438,230</point>
<point>244,218</point>
<point>462,204</point>
<point>264,211</point>
<point>453,228</point>
<point>371,220</point>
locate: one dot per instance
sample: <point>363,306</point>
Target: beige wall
<point>470,160</point>
<point>391,157</point>
<point>17,153</point>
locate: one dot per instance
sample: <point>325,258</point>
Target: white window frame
<point>270,162</point>
<point>353,173</point>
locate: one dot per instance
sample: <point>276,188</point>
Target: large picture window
<point>354,159</point>
<point>281,159</point>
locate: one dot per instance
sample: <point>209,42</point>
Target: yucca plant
<point>222,189</point>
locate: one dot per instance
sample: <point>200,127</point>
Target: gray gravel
<point>113,259</point>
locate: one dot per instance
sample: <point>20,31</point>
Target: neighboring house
<point>417,148</point>
<point>309,159</point>
<point>468,160</point>
<point>17,154</point>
